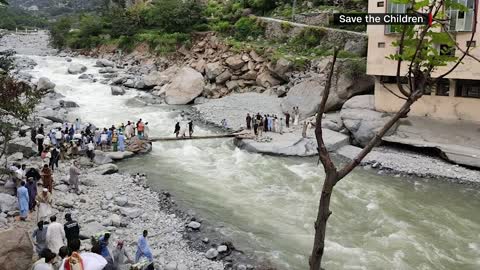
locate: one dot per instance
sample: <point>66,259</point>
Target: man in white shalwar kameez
<point>44,203</point>
<point>55,235</point>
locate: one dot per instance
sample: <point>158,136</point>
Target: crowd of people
<point>270,122</point>
<point>71,139</point>
<point>58,245</point>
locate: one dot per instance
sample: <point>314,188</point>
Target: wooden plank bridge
<point>239,135</point>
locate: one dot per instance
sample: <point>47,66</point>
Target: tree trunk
<point>322,217</point>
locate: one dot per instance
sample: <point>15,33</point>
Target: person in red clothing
<point>140,128</point>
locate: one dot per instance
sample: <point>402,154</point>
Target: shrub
<point>248,27</point>
<point>262,6</point>
<point>222,27</point>
<point>163,43</point>
<point>355,68</point>
<point>308,38</point>
<point>286,26</point>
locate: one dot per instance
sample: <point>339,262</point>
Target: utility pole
<point>293,9</point>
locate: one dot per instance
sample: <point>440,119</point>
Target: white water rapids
<point>268,204</point>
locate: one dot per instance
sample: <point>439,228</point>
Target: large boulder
<point>117,90</point>
<point>105,169</point>
<point>291,144</point>
<point>101,158</point>
<point>212,70</point>
<point>76,68</point>
<point>307,94</point>
<point>157,78</point>
<point>23,145</point>
<point>235,62</point>
<point>265,79</point>
<point>185,87</point>
<point>360,118</point>
<point>45,84</point>
<point>68,104</point>
<point>119,155</point>
<point>138,146</point>
<point>104,63</point>
<point>223,77</point>
<point>7,202</point>
<point>16,250</point>
<point>281,68</point>
<point>58,116</point>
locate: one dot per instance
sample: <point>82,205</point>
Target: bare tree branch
<point>375,140</point>
<point>322,149</point>
<point>393,93</point>
<point>399,62</point>
<point>445,29</point>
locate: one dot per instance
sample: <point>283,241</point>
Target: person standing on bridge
<point>190,128</point>
<point>249,121</point>
<point>140,128</point>
<point>146,131</point>
<point>177,129</point>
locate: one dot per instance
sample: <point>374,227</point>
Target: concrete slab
<point>411,163</point>
<point>292,144</point>
<point>459,141</point>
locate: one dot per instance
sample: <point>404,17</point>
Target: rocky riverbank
<point>118,202</point>
<point>353,125</point>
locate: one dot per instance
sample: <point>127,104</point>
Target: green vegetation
<point>167,25</point>
<point>355,68</point>
<point>248,28</point>
<point>16,18</point>
<point>286,27</point>
<point>163,26</point>
<point>308,38</point>
<point>17,100</point>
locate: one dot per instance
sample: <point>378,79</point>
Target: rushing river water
<point>268,204</point>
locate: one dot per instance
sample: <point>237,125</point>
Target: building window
<point>471,44</point>
<point>462,21</point>
<point>380,4</point>
<point>394,8</point>
<point>447,50</point>
<point>468,88</point>
<point>381,44</point>
<point>443,88</point>
<point>393,80</point>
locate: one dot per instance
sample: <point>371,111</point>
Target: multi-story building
<point>457,96</point>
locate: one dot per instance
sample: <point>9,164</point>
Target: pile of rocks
<point>227,70</point>
<point>211,69</point>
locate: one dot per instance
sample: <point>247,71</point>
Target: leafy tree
<point>174,16</point>
<point>262,5</point>
<point>125,22</point>
<point>417,61</point>
<point>17,102</point>
<point>59,32</point>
